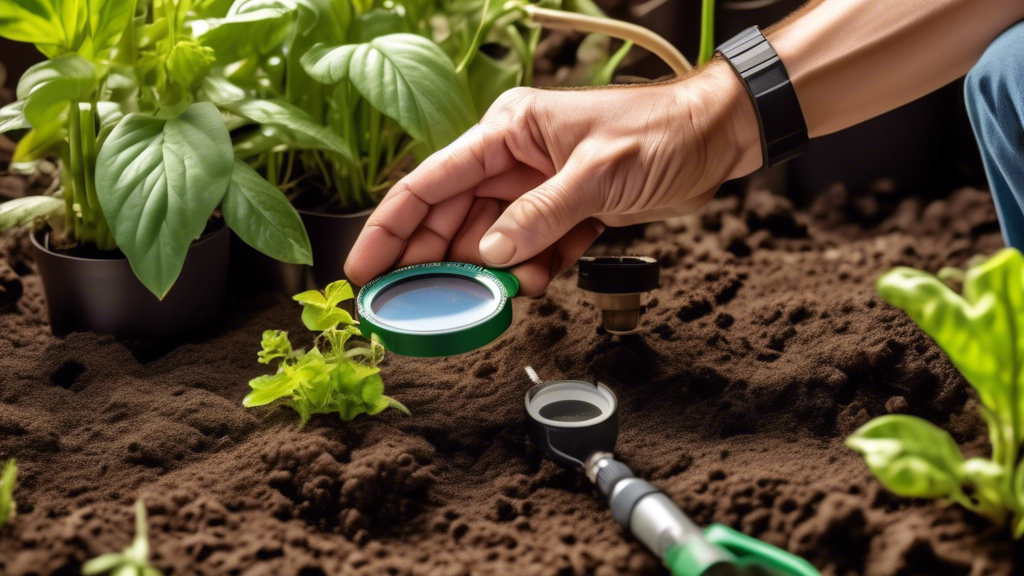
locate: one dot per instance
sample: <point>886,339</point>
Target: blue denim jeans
<point>995,102</point>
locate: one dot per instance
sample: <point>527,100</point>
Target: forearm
<point>851,60</point>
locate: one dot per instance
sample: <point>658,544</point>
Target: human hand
<point>537,180</point>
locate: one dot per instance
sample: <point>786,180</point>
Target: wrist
<point>720,99</point>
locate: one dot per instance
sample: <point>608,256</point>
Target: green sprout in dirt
<point>982,332</point>
<point>134,561</point>
<point>336,375</point>
<point>7,479</point>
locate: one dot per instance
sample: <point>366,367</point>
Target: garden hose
<point>686,550</point>
<point>642,37</point>
<point>576,424</point>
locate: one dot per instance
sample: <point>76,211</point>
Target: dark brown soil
<point>764,348</point>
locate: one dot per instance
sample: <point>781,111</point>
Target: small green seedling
<point>334,376</point>
<point>134,561</point>
<point>982,332</point>
<point>7,480</point>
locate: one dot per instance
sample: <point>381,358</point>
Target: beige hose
<point>642,37</point>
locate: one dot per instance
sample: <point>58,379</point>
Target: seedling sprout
<point>134,560</point>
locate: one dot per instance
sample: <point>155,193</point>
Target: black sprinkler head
<point>616,284</point>
<point>570,420</point>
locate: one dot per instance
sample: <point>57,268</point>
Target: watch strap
<point>780,119</point>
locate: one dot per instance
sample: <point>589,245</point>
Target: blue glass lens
<point>434,302</point>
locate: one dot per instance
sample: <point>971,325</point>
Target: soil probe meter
<point>576,423</point>
<point>437,309</point>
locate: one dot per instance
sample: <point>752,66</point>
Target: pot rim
<point>354,215</point>
<point>205,238</point>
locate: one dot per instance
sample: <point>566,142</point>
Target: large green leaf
<point>251,26</point>
<point>910,456</point>
<point>53,25</point>
<point>379,22</point>
<point>12,117</point>
<point>24,211</point>
<point>39,142</point>
<point>981,332</point>
<point>107,21</point>
<point>158,182</point>
<point>49,87</point>
<point>489,77</point>
<point>266,389</point>
<point>407,77</point>
<point>261,216</point>
<point>297,124</point>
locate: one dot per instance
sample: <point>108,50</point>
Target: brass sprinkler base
<point>615,284</point>
<point>620,313</point>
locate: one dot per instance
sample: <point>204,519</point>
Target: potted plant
<point>149,180</point>
<point>378,86</point>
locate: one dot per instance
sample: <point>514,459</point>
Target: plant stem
<point>272,169</point>
<point>291,165</point>
<point>560,20</point>
<point>87,125</point>
<point>84,231</point>
<point>68,191</point>
<point>532,41</point>
<point>373,151</point>
<point>319,161</point>
<point>475,43</point>
<point>707,32</point>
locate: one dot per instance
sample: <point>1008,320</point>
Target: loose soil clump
<point>765,346</point>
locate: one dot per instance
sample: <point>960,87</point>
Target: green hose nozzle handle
<point>752,557</point>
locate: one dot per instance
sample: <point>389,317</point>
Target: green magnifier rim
<point>441,342</point>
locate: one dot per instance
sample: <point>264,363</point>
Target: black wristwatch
<point>779,117</point>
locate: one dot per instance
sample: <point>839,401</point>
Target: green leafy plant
<point>134,560</point>
<point>391,81</point>
<point>337,375</point>
<point>144,165</point>
<point>982,332</point>
<point>8,477</point>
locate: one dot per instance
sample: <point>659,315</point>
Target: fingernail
<point>496,249</point>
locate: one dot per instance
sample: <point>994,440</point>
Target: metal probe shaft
<point>649,514</point>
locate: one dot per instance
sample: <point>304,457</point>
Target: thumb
<point>538,219</point>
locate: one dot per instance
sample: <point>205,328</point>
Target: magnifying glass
<point>575,423</point>
<point>437,309</point>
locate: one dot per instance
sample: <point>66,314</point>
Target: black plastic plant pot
<point>104,296</point>
<point>331,237</point>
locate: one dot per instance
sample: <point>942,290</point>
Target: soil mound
<point>764,347</point>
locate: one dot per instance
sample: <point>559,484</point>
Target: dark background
<point>925,147</point>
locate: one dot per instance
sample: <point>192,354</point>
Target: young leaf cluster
<point>144,163</point>
<point>339,374</point>
<point>8,477</point>
<point>134,560</point>
<point>982,332</point>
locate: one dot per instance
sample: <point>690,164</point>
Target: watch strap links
<point>780,119</point>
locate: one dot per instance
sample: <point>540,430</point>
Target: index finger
<point>475,156</point>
